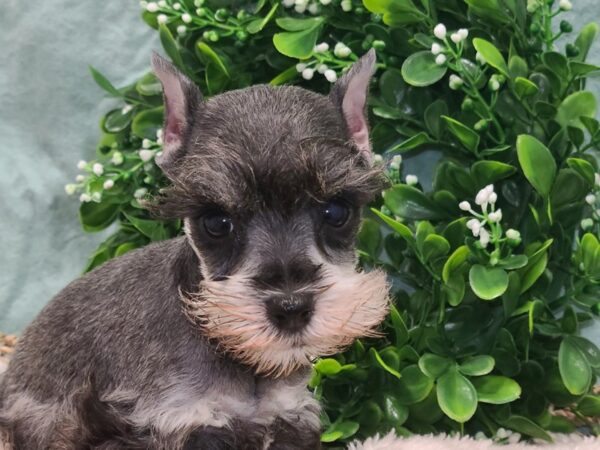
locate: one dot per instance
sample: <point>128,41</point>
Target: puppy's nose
<point>290,313</point>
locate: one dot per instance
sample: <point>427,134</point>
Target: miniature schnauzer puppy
<point>205,341</point>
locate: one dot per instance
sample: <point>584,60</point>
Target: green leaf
<point>434,247</point>
<point>328,366</point>
<point>525,426</point>
<point>533,155</point>
<point>400,329</point>
<point>369,237</point>
<point>434,366</point>
<point>589,406</point>
<point>569,323</point>
<point>489,172</point>
<point>379,360</point>
<point>433,115</point>
<point>340,430</point>
<point>579,69</point>
<point>496,390</point>
<point>170,46</point>
<point>258,24</point>
<point>534,269</point>
<point>456,396</point>
<point>455,263</point>
<point>395,412</point>
<point>477,365</point>
<point>584,40</point>
<point>420,69</point>
<point>491,55</point>
<point>468,137</point>
<point>293,24</point>
<point>146,123</point>
<point>575,370</point>
<point>583,168</point>
<point>149,228</point>
<point>213,57</point>
<point>525,88</point>
<point>148,85</point>
<point>412,142</point>
<point>116,121</point>
<point>124,248</point>
<point>299,44</point>
<point>414,386</point>
<point>103,82</point>
<point>488,283</point>
<point>398,227</point>
<point>513,262</point>
<point>576,105</point>
<point>410,203</point>
<point>285,76</point>
<point>97,216</point>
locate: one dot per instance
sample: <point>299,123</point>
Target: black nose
<point>290,313</point>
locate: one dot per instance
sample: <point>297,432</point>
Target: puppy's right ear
<point>182,99</point>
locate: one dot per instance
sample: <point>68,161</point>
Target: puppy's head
<point>270,182</point>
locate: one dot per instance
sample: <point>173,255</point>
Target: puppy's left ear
<point>182,100</point>
<point>349,94</point>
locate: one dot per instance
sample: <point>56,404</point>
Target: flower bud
<point>456,38</point>
<point>411,180</point>
<point>313,8</point>
<point>440,31</point>
<point>565,26</point>
<point>308,73</point>
<point>378,44</point>
<point>181,30</point>
<point>341,50</point>
<point>70,189</point>
<point>98,169</point>
<point>572,50</point>
<point>465,206</point>
<point>117,158</point>
<point>346,5</point>
<point>108,184</point>
<point>321,48</point>
<point>587,223</point>
<point>481,125</point>
<point>565,5</point>
<point>300,67</point>
<point>495,216</point>
<point>79,178</point>
<point>140,193</point>
<point>325,2</point>
<point>484,237</point>
<point>455,82</point>
<point>186,18</point>
<point>85,198</point>
<point>467,104</point>
<point>152,7</point>
<point>590,199</point>
<point>81,164</point>
<point>162,19</point>
<point>436,48</point>
<point>493,84</point>
<point>330,75</point>
<point>146,155</point>
<point>479,58</point>
<point>440,59</point>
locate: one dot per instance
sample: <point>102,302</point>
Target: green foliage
<point>488,299</point>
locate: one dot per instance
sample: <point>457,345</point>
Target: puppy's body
<point>169,383</point>
<point>205,341</point>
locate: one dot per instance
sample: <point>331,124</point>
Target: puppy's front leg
<point>297,435</point>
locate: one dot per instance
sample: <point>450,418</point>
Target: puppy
<point>205,341</point>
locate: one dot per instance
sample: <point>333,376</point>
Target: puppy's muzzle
<point>290,313</point>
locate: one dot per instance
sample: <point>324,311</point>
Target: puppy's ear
<point>349,94</point>
<point>182,99</point>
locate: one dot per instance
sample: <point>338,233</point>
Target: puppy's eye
<point>217,224</point>
<point>336,213</point>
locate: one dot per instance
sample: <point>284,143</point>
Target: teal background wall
<point>49,112</point>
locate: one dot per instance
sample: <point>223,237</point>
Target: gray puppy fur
<point>205,341</point>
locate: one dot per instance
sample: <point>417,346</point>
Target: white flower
<point>483,196</point>
<point>341,50</point>
<point>108,184</point>
<point>152,7</point>
<point>288,3</point>
<point>79,178</point>
<point>475,226</point>
<point>85,198</point>
<point>590,199</point>
<point>313,8</point>
<point>484,237</point>
<point>321,68</point>
<point>464,33</point>
<point>159,133</point>
<point>96,197</point>
<point>300,67</point>
<point>587,223</point>
<point>346,5</point>
<point>143,4</point>
<point>140,193</point>
<point>125,109</point>
<point>436,48</point>
<point>455,82</point>
<point>479,58</point>
<point>162,18</point>
<point>465,206</point>
<point>377,159</point>
<point>146,143</point>
<point>494,84</point>
<point>308,73</point>
<point>98,169</point>
<point>411,180</point>
<point>456,38</point>
<point>186,17</point>
<point>492,198</point>
<point>397,159</point>
<point>181,29</point>
<point>162,3</point>
<point>146,155</point>
<point>565,5</point>
<point>440,59</point>
<point>81,164</point>
<point>513,234</point>
<point>325,2</point>
<point>321,48</point>
<point>300,8</point>
<point>480,436</point>
<point>501,433</point>
<point>70,189</point>
<point>177,6</point>
<point>440,31</point>
<point>514,438</point>
<point>117,158</point>
<point>495,216</point>
<point>330,75</point>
